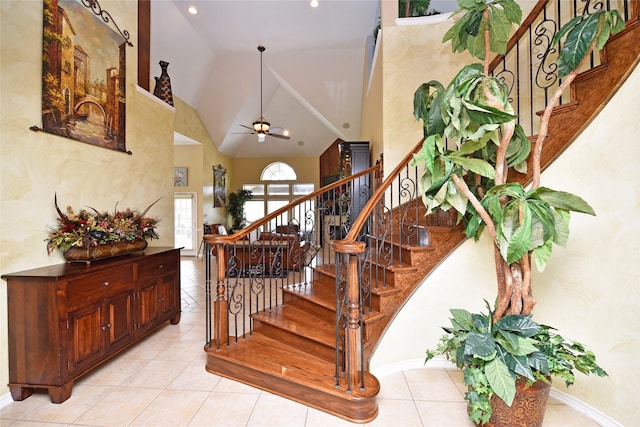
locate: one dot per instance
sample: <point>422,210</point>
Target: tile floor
<point>161,381</point>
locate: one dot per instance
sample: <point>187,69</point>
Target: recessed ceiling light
<point>346,125</point>
<point>192,10</point>
<point>314,3</point>
<point>300,143</point>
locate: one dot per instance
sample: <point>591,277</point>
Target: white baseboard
<point>5,400</point>
<point>438,363</point>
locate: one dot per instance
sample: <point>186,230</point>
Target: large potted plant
<point>472,154</point>
<point>235,207</point>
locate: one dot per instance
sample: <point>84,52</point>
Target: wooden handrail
<point>242,234</point>
<point>350,239</point>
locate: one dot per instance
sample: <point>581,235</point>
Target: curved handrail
<point>351,239</point>
<point>242,234</point>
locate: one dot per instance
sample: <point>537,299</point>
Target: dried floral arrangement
<point>89,227</point>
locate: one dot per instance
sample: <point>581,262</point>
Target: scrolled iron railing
<point>254,265</point>
<point>529,69</point>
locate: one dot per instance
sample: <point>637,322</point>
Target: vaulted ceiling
<point>313,68</point>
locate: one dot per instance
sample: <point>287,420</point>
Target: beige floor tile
<point>120,407</point>
<point>228,386</point>
<point>396,413</point>
<point>115,372</point>
<point>157,374</point>
<point>171,408</point>
<point>269,409</point>
<point>317,418</point>
<point>22,423</point>
<point>394,386</point>
<point>83,397</point>
<point>195,377</point>
<point>432,384</point>
<point>225,410</point>
<point>17,410</point>
<point>443,414</point>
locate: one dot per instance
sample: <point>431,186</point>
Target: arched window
<point>278,171</point>
<point>269,196</point>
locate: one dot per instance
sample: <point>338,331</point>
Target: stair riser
<point>323,351</point>
<point>323,313</point>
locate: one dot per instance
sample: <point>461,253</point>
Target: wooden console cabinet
<point>66,319</point>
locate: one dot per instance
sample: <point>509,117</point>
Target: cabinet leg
<point>19,393</point>
<point>175,320</point>
<point>61,393</point>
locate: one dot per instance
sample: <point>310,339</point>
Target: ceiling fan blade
<point>278,135</point>
<point>250,128</point>
<point>243,133</point>
<point>275,128</point>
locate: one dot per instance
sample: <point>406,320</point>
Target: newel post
<point>354,364</point>
<point>217,333</point>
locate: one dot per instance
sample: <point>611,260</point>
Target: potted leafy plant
<point>235,207</point>
<point>472,147</point>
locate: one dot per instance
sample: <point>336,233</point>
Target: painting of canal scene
<point>83,75</point>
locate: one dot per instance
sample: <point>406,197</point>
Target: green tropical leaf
<point>519,365</point>
<point>471,146</point>
<point>512,10</point>
<point>538,361</point>
<point>562,200</point>
<point>541,255</point>
<point>577,44</point>
<point>478,166</point>
<point>520,239</point>
<point>561,230</point>
<point>522,325</point>
<point>500,380</point>
<point>480,345</point>
<point>499,29</point>
<point>483,114</point>
<point>461,318</point>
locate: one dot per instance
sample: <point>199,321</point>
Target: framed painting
<point>180,177</point>
<point>219,187</point>
<point>83,73</point>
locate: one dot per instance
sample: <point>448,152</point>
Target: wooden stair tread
<point>321,295</point>
<point>291,319</point>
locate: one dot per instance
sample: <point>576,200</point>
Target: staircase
<point>308,334</point>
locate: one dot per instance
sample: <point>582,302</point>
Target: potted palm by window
<point>472,147</point>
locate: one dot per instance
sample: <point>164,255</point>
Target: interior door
<point>185,218</point>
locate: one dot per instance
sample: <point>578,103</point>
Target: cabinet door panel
<point>168,298</point>
<point>120,322</point>
<point>86,335</point>
<point>148,305</point>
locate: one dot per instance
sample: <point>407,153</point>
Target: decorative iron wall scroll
<point>83,73</point>
<point>219,187</point>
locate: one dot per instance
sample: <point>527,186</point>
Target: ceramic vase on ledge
<point>163,85</point>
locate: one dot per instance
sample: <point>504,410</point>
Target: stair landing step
<point>270,365</point>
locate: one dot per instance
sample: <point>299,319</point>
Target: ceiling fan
<point>262,127</point>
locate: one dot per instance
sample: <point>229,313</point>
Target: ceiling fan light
<point>261,137</point>
<point>261,125</point>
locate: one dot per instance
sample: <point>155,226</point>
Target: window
<point>277,189</point>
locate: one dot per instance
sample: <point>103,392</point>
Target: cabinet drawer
<point>156,267</point>
<point>86,290</point>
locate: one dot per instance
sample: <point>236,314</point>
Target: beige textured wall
<point>34,166</point>
<point>412,55</point>
<point>589,290</point>
<point>189,123</point>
